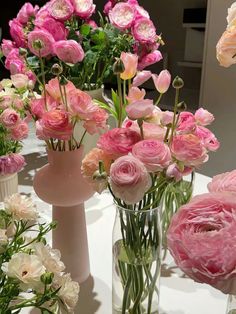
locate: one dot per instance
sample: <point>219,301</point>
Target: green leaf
<point>85,29</point>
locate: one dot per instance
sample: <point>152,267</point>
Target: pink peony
<point>130,62</point>
<point>11,163</point>
<point>203,117</point>
<point>7,46</point>
<point>56,124</point>
<point>10,118</point>
<point>189,149</point>
<point>118,141</point>
<point>135,94</point>
<point>202,238</point>
<point>226,48</point>
<point>154,154</point>
<point>61,10</point>
<point>129,179</point>
<point>162,81</point>
<point>208,139</point>
<point>17,33</point>
<point>97,122</point>
<point>20,80</point>
<point>186,123</point>
<point>53,89</point>
<point>140,109</point>
<point>20,131</point>
<point>122,15</point>
<point>41,43</point>
<point>173,171</point>
<point>144,30</point>
<point>225,182</point>
<point>69,51</point>
<point>84,8</point>
<point>26,12</point>
<point>141,78</point>
<point>54,27</point>
<point>149,59</point>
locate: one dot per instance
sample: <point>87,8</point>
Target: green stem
<point>44,80</point>
<point>158,100</point>
<point>121,101</point>
<point>175,113</point>
<point>82,138</point>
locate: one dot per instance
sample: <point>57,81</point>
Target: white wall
<point>219,92</point>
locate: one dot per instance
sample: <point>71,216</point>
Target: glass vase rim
<point>141,211</point>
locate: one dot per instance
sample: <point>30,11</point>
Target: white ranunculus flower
<point>49,257</point>
<point>3,239</point>
<point>231,18</point>
<point>21,207</point>
<point>68,293</point>
<point>26,268</point>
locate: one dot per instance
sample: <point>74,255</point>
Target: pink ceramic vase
<point>61,184</point>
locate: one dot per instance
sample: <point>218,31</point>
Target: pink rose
<point>203,117</point>
<point>69,51</point>
<point>41,43</point>
<point>201,238</point>
<point>129,179</point>
<point>60,10</point>
<point>56,124</point>
<point>154,154</point>
<point>26,12</point>
<point>144,30</point>
<point>149,59</point>
<point>226,48</point>
<point>140,109</point>
<point>122,15</point>
<point>208,139</point>
<point>118,141</point>
<point>141,78</point>
<point>162,81</point>
<point>10,118</point>
<point>17,33</point>
<point>80,104</point>
<point>20,131</point>
<point>7,46</point>
<point>11,163</point>
<point>225,182</point>
<point>173,171</point>
<point>97,122</point>
<point>189,149</point>
<point>20,80</point>
<point>135,94</point>
<point>187,122</point>
<point>53,89</point>
<point>54,27</point>
<point>84,8</point>
<point>130,62</point>
<point>167,117</point>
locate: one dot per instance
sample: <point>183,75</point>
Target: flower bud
<point>181,106</point>
<point>99,176</point>
<point>178,83</point>
<point>63,81</point>
<point>47,278</point>
<point>56,69</point>
<point>118,66</point>
<point>20,241</point>
<point>23,52</point>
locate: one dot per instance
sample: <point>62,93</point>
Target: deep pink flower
<point>122,15</point>
<point>84,8</point>
<point>144,30</point>
<point>162,81</point>
<point>69,51</point>
<point>7,46</point>
<point>224,182</point>
<point>107,8</point>
<point>14,62</point>
<point>141,78</point>
<point>149,59</point>
<point>140,11</point>
<point>10,118</point>
<point>26,12</point>
<point>140,109</point>
<point>202,238</point>
<point>60,10</point>
<point>20,131</point>
<point>41,43</point>
<point>54,27</point>
<point>17,33</point>
<point>118,141</point>
<point>11,163</point>
<point>203,117</point>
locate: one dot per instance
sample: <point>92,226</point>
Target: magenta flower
<point>11,163</point>
<point>7,46</point>
<point>54,27</point>
<point>17,33</point>
<point>69,51</point>
<point>144,30</point>
<point>41,43</point>
<point>60,10</point>
<point>149,59</point>
<point>122,15</point>
<point>84,8</point>
<point>26,12</point>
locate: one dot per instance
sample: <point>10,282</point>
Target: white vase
<point>8,185</point>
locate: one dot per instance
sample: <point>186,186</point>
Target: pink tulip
<point>130,62</point>
<point>140,109</point>
<point>144,30</point>
<point>135,94</point>
<point>162,81</point>
<point>122,15</point>
<point>203,117</point>
<point>60,10</point>
<point>141,78</point>
<point>41,43</point>
<point>149,59</point>
<point>69,51</point>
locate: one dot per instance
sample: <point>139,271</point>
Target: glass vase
<point>136,261</point>
<point>231,306</point>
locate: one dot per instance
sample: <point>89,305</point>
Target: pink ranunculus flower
<point>203,117</point>
<point>20,131</point>
<point>140,109</point>
<point>26,12</point>
<point>141,78</point>
<point>162,81</point>
<point>208,139</point>
<point>61,10</point>
<point>56,124</point>
<point>38,106</point>
<point>14,62</point>
<point>69,51</point>
<point>10,118</point>
<point>84,8</point>
<point>167,117</point>
<point>54,27</point>
<point>186,123</point>
<point>20,80</point>
<point>53,89</point>
<point>80,104</point>
<point>189,149</point>
<point>17,33</point>
<point>231,18</point>
<point>154,154</point>
<point>144,30</point>
<point>7,46</point>
<point>122,15</point>
<point>173,171</point>
<point>135,94</point>
<point>202,238</point>
<point>130,62</point>
<point>226,48</point>
<point>118,141</point>
<point>129,179</point>
<point>140,11</point>
<point>97,122</point>
<point>6,101</point>
<point>41,43</point>
<point>11,163</point>
<point>224,182</point>
<point>149,59</point>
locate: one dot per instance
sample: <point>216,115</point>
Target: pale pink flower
<point>14,62</point>
<point>53,89</point>
<point>154,154</point>
<point>231,18</point>
<point>186,123</point>
<point>60,10</point>
<point>26,12</point>
<point>10,118</point>
<point>7,46</point>
<point>129,179</point>
<point>173,171</point>
<point>130,62</point>
<point>149,59</point>
<point>203,117</point>
<point>118,141</point>
<point>144,30</point>
<point>201,238</point>
<point>17,33</point>
<point>140,109</point>
<point>141,78</point>
<point>54,27</point>
<point>11,163</point>
<point>97,122</point>
<point>41,43</point>
<point>208,139</point>
<point>69,51</point>
<point>84,8</point>
<point>167,117</point>
<point>189,149</point>
<point>135,94</point>
<point>162,81</point>
<point>224,182</point>
<point>20,80</point>
<point>38,106</point>
<point>122,15</point>
<point>20,131</point>
<point>226,48</point>
<point>80,104</point>
<point>6,101</point>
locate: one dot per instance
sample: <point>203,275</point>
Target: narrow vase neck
<point>65,159</point>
